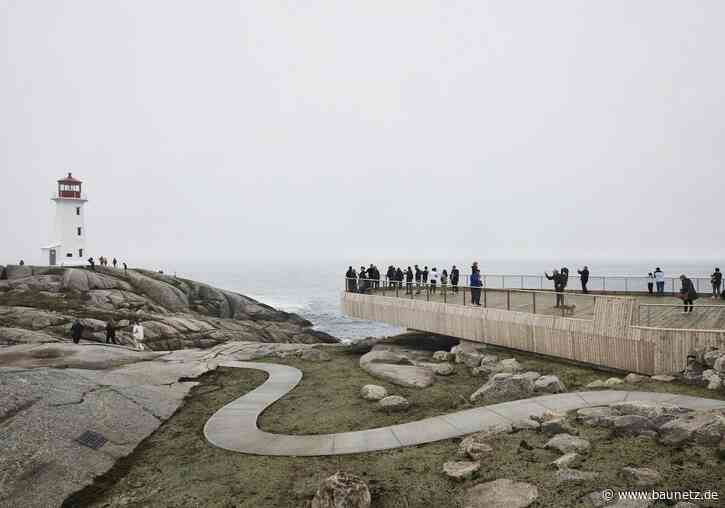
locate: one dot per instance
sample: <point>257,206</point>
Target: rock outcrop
<point>38,304</point>
<point>342,490</point>
<point>396,368</point>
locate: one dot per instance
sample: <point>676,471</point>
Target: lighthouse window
<point>69,255</point>
<point>79,231</point>
<point>78,210</point>
<point>80,253</point>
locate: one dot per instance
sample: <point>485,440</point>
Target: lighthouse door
<point>52,257</point>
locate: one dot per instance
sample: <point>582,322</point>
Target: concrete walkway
<point>234,427</point>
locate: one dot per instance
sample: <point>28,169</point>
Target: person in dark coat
<point>559,285</point>
<point>351,280</point>
<point>688,293</point>
<point>584,276</point>
<point>716,281</point>
<point>455,274</point>
<point>399,277</point>
<point>76,331</point>
<point>409,281</point>
<point>418,279</point>
<point>476,285</point>
<point>111,332</point>
<point>362,280</point>
<point>125,267</point>
<point>92,264</point>
<point>390,276</point>
<point>425,275</point>
<point>115,262</point>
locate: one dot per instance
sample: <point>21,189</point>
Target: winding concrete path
<point>234,427</point>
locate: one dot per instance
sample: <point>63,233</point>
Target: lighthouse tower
<point>69,230</point>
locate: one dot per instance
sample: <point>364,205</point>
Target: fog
<point>230,131</point>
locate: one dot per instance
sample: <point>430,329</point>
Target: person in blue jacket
<point>475,283</point>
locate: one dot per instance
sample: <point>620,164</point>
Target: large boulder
<point>568,461</point>
<point>597,416</point>
<point>657,412</point>
<point>710,357</point>
<point>567,475</point>
<point>10,336</point>
<point>78,279</point>
<point>502,493</point>
<point>373,392</point>
<point>504,387</point>
<point>641,477</point>
<point>632,425</point>
<point>342,490</point>
<point>566,443</point>
<point>549,384</point>
<point>394,404</point>
<point>461,470</point>
<point>707,427</point>
<point>468,353</point>
<point>397,369</point>
<point>31,318</point>
<point>443,356</point>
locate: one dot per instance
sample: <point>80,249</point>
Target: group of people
<point>137,333</point>
<point>103,261</point>
<point>369,278</point>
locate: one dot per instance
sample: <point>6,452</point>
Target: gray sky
<point>244,130</point>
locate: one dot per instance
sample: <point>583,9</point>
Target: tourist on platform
<point>559,285</point>
<point>137,333</point>
<point>92,264</point>
<point>115,262</point>
<point>475,283</point>
<point>660,281</point>
<point>444,279</point>
<point>433,279</point>
<point>425,275</point>
<point>418,279</point>
<point>716,281</point>
<point>374,276</point>
<point>584,276</point>
<point>22,263</point>
<point>688,293</point>
<point>76,331</point>
<point>351,280</point>
<point>455,274</point>
<point>409,281</point>
<point>111,332</point>
<point>362,283</point>
<point>390,276</point>
<point>565,273</point>
<point>125,267</point>
<point>399,277</point>
<point>650,283</point>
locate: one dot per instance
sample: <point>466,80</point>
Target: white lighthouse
<point>68,228</point>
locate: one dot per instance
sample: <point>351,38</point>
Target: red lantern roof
<point>69,179</point>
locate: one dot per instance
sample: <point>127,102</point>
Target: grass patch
<point>176,466</point>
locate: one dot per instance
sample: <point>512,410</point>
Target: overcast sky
<point>231,130</point>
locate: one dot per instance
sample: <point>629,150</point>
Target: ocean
<point>312,289</point>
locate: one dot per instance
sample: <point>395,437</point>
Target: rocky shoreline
<point>38,305</point>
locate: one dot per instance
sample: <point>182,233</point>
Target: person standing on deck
<point>433,280</point>
<point>390,276</point>
<point>351,280</point>
<point>399,277</point>
<point>716,281</point>
<point>425,275</point>
<point>409,281</point>
<point>454,278</point>
<point>650,283</point>
<point>559,285</point>
<point>418,278</point>
<point>584,276</point>
<point>362,283</point>
<point>475,283</point>
<point>660,281</point>
<point>688,293</point>
<point>444,279</point>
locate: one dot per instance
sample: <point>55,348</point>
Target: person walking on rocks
<point>115,262</point>
<point>688,293</point>
<point>76,331</point>
<point>559,285</point>
<point>584,276</point>
<point>92,263</point>
<point>138,335</point>
<point>716,281</point>
<point>455,274</point>
<point>475,283</point>
<point>660,281</point>
<point>125,267</point>
<point>111,332</point>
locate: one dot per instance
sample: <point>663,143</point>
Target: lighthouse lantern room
<point>68,228</point>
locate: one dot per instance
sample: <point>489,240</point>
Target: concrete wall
<point>610,340</point>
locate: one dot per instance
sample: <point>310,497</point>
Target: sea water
<point>312,289</point>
